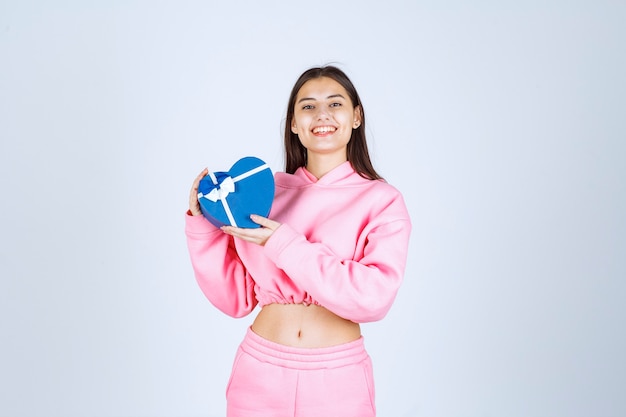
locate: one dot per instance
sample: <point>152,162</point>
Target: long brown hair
<point>358,155</point>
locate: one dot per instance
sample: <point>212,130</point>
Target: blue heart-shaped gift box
<point>229,198</point>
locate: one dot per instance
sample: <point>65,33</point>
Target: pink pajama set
<point>342,244</point>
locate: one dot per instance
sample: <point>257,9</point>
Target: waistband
<point>304,358</point>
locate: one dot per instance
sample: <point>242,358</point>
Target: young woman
<point>330,255</point>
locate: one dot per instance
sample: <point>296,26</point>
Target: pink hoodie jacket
<point>342,244</point>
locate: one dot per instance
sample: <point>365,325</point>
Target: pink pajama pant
<point>273,380</point>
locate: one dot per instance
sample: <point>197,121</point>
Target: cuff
<point>279,241</point>
<point>198,224</point>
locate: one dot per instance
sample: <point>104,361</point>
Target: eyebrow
<point>331,96</point>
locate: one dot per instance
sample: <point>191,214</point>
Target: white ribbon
<point>251,172</point>
<point>226,187</point>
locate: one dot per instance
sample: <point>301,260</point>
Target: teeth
<point>323,129</point>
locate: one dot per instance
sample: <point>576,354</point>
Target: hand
<point>259,235</point>
<point>194,205</point>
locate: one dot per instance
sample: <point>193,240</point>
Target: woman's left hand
<point>259,235</point>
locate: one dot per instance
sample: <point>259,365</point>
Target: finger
<point>194,206</point>
<point>256,235</point>
<point>258,219</point>
<point>264,221</point>
<point>227,229</point>
<point>201,175</point>
<point>196,181</point>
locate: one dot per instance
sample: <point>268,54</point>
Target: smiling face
<point>323,119</point>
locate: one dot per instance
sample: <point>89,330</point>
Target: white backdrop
<point>501,122</point>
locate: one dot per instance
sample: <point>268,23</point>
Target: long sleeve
<point>221,275</point>
<point>360,289</point>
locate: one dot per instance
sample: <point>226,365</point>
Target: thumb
<point>264,221</point>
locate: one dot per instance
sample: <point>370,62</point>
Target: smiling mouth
<point>324,129</point>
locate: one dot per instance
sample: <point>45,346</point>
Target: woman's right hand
<point>194,205</point>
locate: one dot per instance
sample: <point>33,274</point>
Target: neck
<point>319,166</point>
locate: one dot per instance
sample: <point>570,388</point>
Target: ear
<point>358,117</point>
<point>294,128</point>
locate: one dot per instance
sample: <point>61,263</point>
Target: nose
<point>322,113</point>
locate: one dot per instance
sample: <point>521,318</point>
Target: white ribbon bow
<point>224,188</point>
